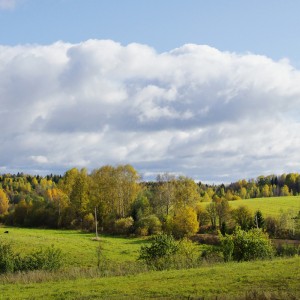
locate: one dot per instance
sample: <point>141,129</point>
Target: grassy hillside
<point>79,248</point>
<point>280,276</point>
<point>268,206</point>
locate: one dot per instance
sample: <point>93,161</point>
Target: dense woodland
<point>124,204</point>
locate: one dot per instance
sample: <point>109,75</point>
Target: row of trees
<point>122,203</point>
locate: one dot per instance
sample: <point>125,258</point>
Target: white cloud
<point>194,110</point>
<point>40,159</point>
<point>7,4</point>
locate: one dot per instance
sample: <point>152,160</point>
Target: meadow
<point>272,206</point>
<point>79,278</point>
<point>79,248</point>
<point>126,278</point>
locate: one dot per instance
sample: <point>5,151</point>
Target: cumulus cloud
<point>211,115</point>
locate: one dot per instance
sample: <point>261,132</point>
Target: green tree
<point>259,221</point>
<point>222,210</point>
<point>243,217</point>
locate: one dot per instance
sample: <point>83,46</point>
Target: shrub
<point>123,225</point>
<point>159,254</point>
<point>187,256</point>
<point>288,250</point>
<point>49,259</point>
<point>88,222</point>
<point>212,254</point>
<point>227,245</point>
<point>149,225</point>
<point>7,258</point>
<point>254,244</point>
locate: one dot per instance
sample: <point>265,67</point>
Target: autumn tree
<point>79,194</point>
<point>185,222</point>
<point>165,192</point>
<point>112,192</point>
<point>212,213</point>
<point>4,202</point>
<point>127,188</point>
<point>186,192</point>
<point>285,191</point>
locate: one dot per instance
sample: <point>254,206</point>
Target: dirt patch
<point>205,238</point>
<point>280,242</point>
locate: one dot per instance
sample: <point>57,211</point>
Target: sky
<point>205,89</point>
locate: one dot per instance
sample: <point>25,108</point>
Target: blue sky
<point>263,27</point>
<point>207,89</point>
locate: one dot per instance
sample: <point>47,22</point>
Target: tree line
<point>122,203</point>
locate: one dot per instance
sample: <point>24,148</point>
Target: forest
<point>122,203</point>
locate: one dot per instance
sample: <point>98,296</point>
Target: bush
<point>7,258</point>
<point>212,254</point>
<point>288,250</point>
<point>227,245</point>
<point>187,256</point>
<point>88,222</point>
<point>149,225</point>
<point>245,246</point>
<point>159,254</point>
<point>49,259</point>
<point>123,225</point>
<point>166,253</point>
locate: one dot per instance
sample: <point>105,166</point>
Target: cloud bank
<point>212,115</point>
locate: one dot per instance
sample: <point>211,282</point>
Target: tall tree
<point>187,192</point>
<point>165,191</point>
<point>4,202</point>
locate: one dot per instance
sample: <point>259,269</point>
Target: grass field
<point>233,279</point>
<point>79,248</point>
<point>280,276</point>
<point>268,206</point>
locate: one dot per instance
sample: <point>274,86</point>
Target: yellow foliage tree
<point>185,222</point>
<point>4,202</point>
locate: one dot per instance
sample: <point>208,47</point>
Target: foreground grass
<point>280,276</point>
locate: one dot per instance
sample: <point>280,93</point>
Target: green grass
<point>280,276</point>
<point>79,248</point>
<point>233,279</point>
<point>268,206</point>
